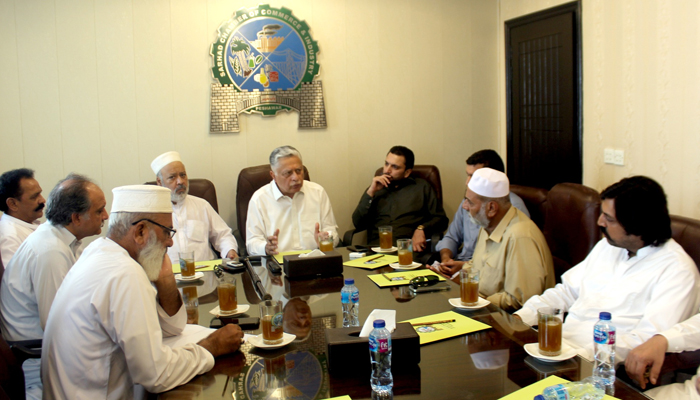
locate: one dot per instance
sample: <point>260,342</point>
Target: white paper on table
<point>191,334</point>
<point>389,317</point>
<point>315,253</point>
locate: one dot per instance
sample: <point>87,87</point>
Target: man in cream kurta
<point>21,203</point>
<point>199,226</point>
<point>105,330</point>
<point>288,213</point>
<point>511,254</point>
<point>76,209</point>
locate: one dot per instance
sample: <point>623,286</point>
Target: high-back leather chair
<point>249,180</point>
<point>571,224</point>
<point>535,200</point>
<point>11,374</point>
<point>202,188</point>
<point>686,231</point>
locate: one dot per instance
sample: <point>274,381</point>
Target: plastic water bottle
<point>604,349</point>
<point>380,354</point>
<point>590,388</point>
<point>350,297</point>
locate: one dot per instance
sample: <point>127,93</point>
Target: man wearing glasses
<point>105,331</point>
<point>194,218</point>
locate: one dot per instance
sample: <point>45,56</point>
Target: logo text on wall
<point>265,61</point>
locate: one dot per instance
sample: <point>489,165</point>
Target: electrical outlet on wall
<point>619,158</point>
<point>609,156</point>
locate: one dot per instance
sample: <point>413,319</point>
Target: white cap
<point>490,359</point>
<point>163,160</point>
<point>488,182</point>
<point>142,199</point>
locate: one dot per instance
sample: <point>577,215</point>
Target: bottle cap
<point>379,323</point>
<point>349,281</point>
<point>539,397</point>
<point>605,316</point>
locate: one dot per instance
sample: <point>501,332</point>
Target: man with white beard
<point>511,254</point>
<point>196,221</point>
<point>106,326</point>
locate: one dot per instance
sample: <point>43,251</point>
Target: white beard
<point>151,257</point>
<point>178,197</point>
<point>480,219</point>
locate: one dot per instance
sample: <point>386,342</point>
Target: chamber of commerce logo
<point>265,61</point>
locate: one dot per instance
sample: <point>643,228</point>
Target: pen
<point>387,278</point>
<point>373,258</point>
<point>433,322</point>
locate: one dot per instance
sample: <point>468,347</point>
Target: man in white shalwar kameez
<point>197,223</point>
<point>106,327</point>
<point>21,203</point>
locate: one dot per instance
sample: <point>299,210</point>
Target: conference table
<point>487,364</point>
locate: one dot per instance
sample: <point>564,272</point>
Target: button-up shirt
<point>198,225</point>
<point>514,261</point>
<point>463,232</point>
<point>13,231</point>
<point>295,217</point>
<point>105,332</point>
<point>646,294</point>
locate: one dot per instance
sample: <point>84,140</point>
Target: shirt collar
<point>68,238</point>
<point>277,194</point>
<point>500,230</point>
<point>33,225</point>
<point>402,183</point>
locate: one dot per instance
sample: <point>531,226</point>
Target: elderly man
<point>637,272</point>
<point>288,213</point>
<point>21,202</point>
<point>462,231</point>
<point>195,219</point>
<point>75,210</point>
<point>409,205</point>
<point>105,331</point>
<point>511,254</point>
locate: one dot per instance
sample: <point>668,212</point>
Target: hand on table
<point>378,182</point>
<point>231,254</point>
<point>418,240</point>
<point>271,246</point>
<point>650,353</point>
<point>225,340</point>
<point>450,266</point>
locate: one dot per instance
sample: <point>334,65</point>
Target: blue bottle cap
<point>605,316</point>
<point>539,397</point>
<point>349,281</point>
<point>379,323</point>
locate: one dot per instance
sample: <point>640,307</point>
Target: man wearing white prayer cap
<point>196,221</point>
<point>105,329</point>
<point>511,254</point>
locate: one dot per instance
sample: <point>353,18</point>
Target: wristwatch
<point>420,227</point>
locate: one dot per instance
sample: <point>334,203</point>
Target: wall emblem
<point>265,61</point>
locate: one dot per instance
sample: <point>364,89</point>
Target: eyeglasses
<point>168,231</point>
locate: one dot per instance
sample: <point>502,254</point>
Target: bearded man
<point>106,326</point>
<point>199,226</point>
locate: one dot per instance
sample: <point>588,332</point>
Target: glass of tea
<point>186,263</point>
<point>405,252</point>
<point>469,286</point>
<point>228,301</point>
<point>325,241</point>
<point>271,319</point>
<point>189,297</point>
<point>385,237</point>
<point>549,322</point>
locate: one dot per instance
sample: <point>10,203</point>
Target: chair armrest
<point>24,349</point>
<point>434,239</point>
<point>347,237</point>
<point>242,248</point>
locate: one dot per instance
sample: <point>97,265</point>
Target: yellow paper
<point>434,332</point>
<point>401,277</point>
<point>385,259</point>
<point>346,397</point>
<point>199,266</point>
<point>279,256</point>
<point>529,392</point>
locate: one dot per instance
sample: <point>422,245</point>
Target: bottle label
<point>345,297</point>
<point>373,345</point>
<point>602,337</point>
<point>383,345</point>
<point>355,297</point>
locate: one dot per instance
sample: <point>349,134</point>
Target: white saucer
<point>240,310</point>
<point>257,341</point>
<point>197,275</point>
<point>567,352</point>
<point>457,302</point>
<point>380,250</point>
<point>399,267</point>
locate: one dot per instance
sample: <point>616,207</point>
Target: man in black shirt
<point>409,205</point>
